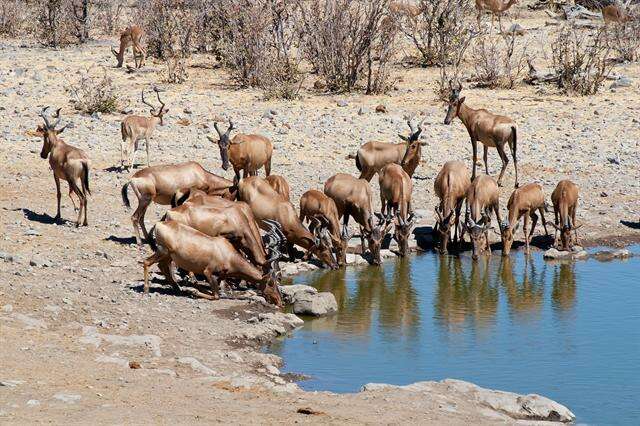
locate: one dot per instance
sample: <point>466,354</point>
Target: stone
<point>554,253</point>
<point>11,383</point>
<point>196,365</point>
<point>315,304</point>
<point>621,82</point>
<point>92,337</point>
<point>342,103</point>
<point>7,257</point>
<point>516,29</point>
<point>290,292</point>
<point>381,109</point>
<point>67,398</point>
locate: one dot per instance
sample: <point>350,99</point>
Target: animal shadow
<point>127,241</point>
<point>632,225</point>
<point>42,218</point>
<point>117,169</point>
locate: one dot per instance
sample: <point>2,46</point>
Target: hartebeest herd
<point>214,225</point>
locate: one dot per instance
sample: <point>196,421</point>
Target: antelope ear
<point>60,130</point>
<point>461,100</point>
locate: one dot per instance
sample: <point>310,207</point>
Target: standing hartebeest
<point>450,186</point>
<point>565,203</point>
<point>490,129</point>
<point>395,198</point>
<point>246,153</point>
<point>132,36</point>
<point>523,202</point>
<point>483,198</point>
<point>495,7</point>
<point>67,162</point>
<point>135,128</point>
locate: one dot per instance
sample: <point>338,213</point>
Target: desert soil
<point>72,317</point>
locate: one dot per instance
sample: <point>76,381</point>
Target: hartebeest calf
<point>132,36</point>
<point>395,197</point>
<point>160,183</point>
<point>280,185</point>
<point>67,163</point>
<point>246,153</point>
<point>353,199</point>
<point>565,203</point>
<point>214,257</point>
<point>135,128</point>
<point>315,204</point>
<point>491,130</point>
<point>267,204</point>
<point>450,186</point>
<point>374,155</point>
<point>483,198</point>
<point>523,202</point>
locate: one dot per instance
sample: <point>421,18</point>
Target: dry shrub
<point>94,93</point>
<point>107,15</point>
<point>176,71</point>
<point>349,42</point>
<point>169,26</point>
<point>499,60</point>
<point>624,39</point>
<point>55,22</point>
<point>439,32</point>
<point>581,59</point>
<point>12,17</point>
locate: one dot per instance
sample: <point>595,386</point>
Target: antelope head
<point>477,232</point>
<point>455,101</point>
<point>402,232</point>
<point>443,227</point>
<point>566,238</point>
<point>376,236</point>
<point>413,142</point>
<point>506,232</point>
<point>341,246</point>
<point>223,143</point>
<point>156,112</point>
<point>48,132</point>
<point>322,242</point>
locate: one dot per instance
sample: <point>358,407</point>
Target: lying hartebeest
<point>483,198</point>
<point>565,202</point>
<point>135,128</point>
<point>490,129</point>
<point>353,198</point>
<point>267,204</point>
<point>67,162</point>
<point>374,155</point>
<point>214,257</point>
<point>160,183</point>
<point>395,198</point>
<point>132,36</point>
<point>495,7</point>
<point>614,13</point>
<point>280,185</point>
<point>246,153</point>
<point>523,202</point>
<point>450,186</point>
<point>314,204</point>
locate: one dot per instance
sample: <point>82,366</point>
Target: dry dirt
<point>57,281</point>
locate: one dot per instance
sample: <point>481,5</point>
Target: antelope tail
<point>125,196</point>
<point>351,157</point>
<point>85,178</point>
<point>514,135</point>
<point>152,238</point>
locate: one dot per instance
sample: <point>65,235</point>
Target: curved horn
<point>155,89</point>
<point>215,126</point>
<point>57,117</point>
<point>147,103</point>
<point>44,117</point>
<point>230,127</point>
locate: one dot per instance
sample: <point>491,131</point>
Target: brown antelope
<point>373,156</point>
<point>490,129</point>
<point>314,204</point>
<point>404,8</point>
<point>523,202</point>
<point>160,183</point>
<point>67,162</point>
<point>565,202</point>
<point>450,186</point>
<point>132,36</point>
<point>395,198</point>
<point>246,153</point>
<point>280,185</point>
<point>135,128</point>
<point>214,257</point>
<point>483,198</point>
<point>495,7</point>
<point>353,198</point>
<point>614,13</point>
<point>267,204</point>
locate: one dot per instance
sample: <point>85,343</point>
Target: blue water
<point>568,331</point>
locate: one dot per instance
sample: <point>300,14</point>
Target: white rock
<point>196,365</point>
<point>68,398</point>
<point>290,292</point>
<point>315,304</point>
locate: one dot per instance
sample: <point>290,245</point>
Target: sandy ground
<point>56,281</point>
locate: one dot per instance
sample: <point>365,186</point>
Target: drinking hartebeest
<point>565,203</point>
<point>450,186</point>
<point>483,198</point>
<point>353,198</point>
<point>374,155</point>
<point>135,128</point>
<point>132,36</point>
<point>67,162</point>
<point>246,153</point>
<point>160,183</point>
<point>523,202</point>
<point>395,198</point>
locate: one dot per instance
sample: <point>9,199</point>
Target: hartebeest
<point>246,153</point>
<point>450,186</point>
<point>314,204</point>
<point>565,203</point>
<point>267,204</point>
<point>614,13</point>
<point>280,185</point>
<point>523,202</point>
<point>132,36</point>
<point>490,129</point>
<point>67,163</point>
<point>374,155</point>
<point>160,183</point>
<point>135,128</point>
<point>214,257</point>
<point>483,198</point>
<point>353,199</point>
<point>495,7</point>
<point>395,197</point>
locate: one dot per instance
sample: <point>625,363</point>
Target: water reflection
<point>563,296</point>
<point>525,295</point>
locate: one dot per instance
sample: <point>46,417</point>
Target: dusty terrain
<point>200,360</point>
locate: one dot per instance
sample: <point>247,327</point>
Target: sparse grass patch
<point>94,93</point>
